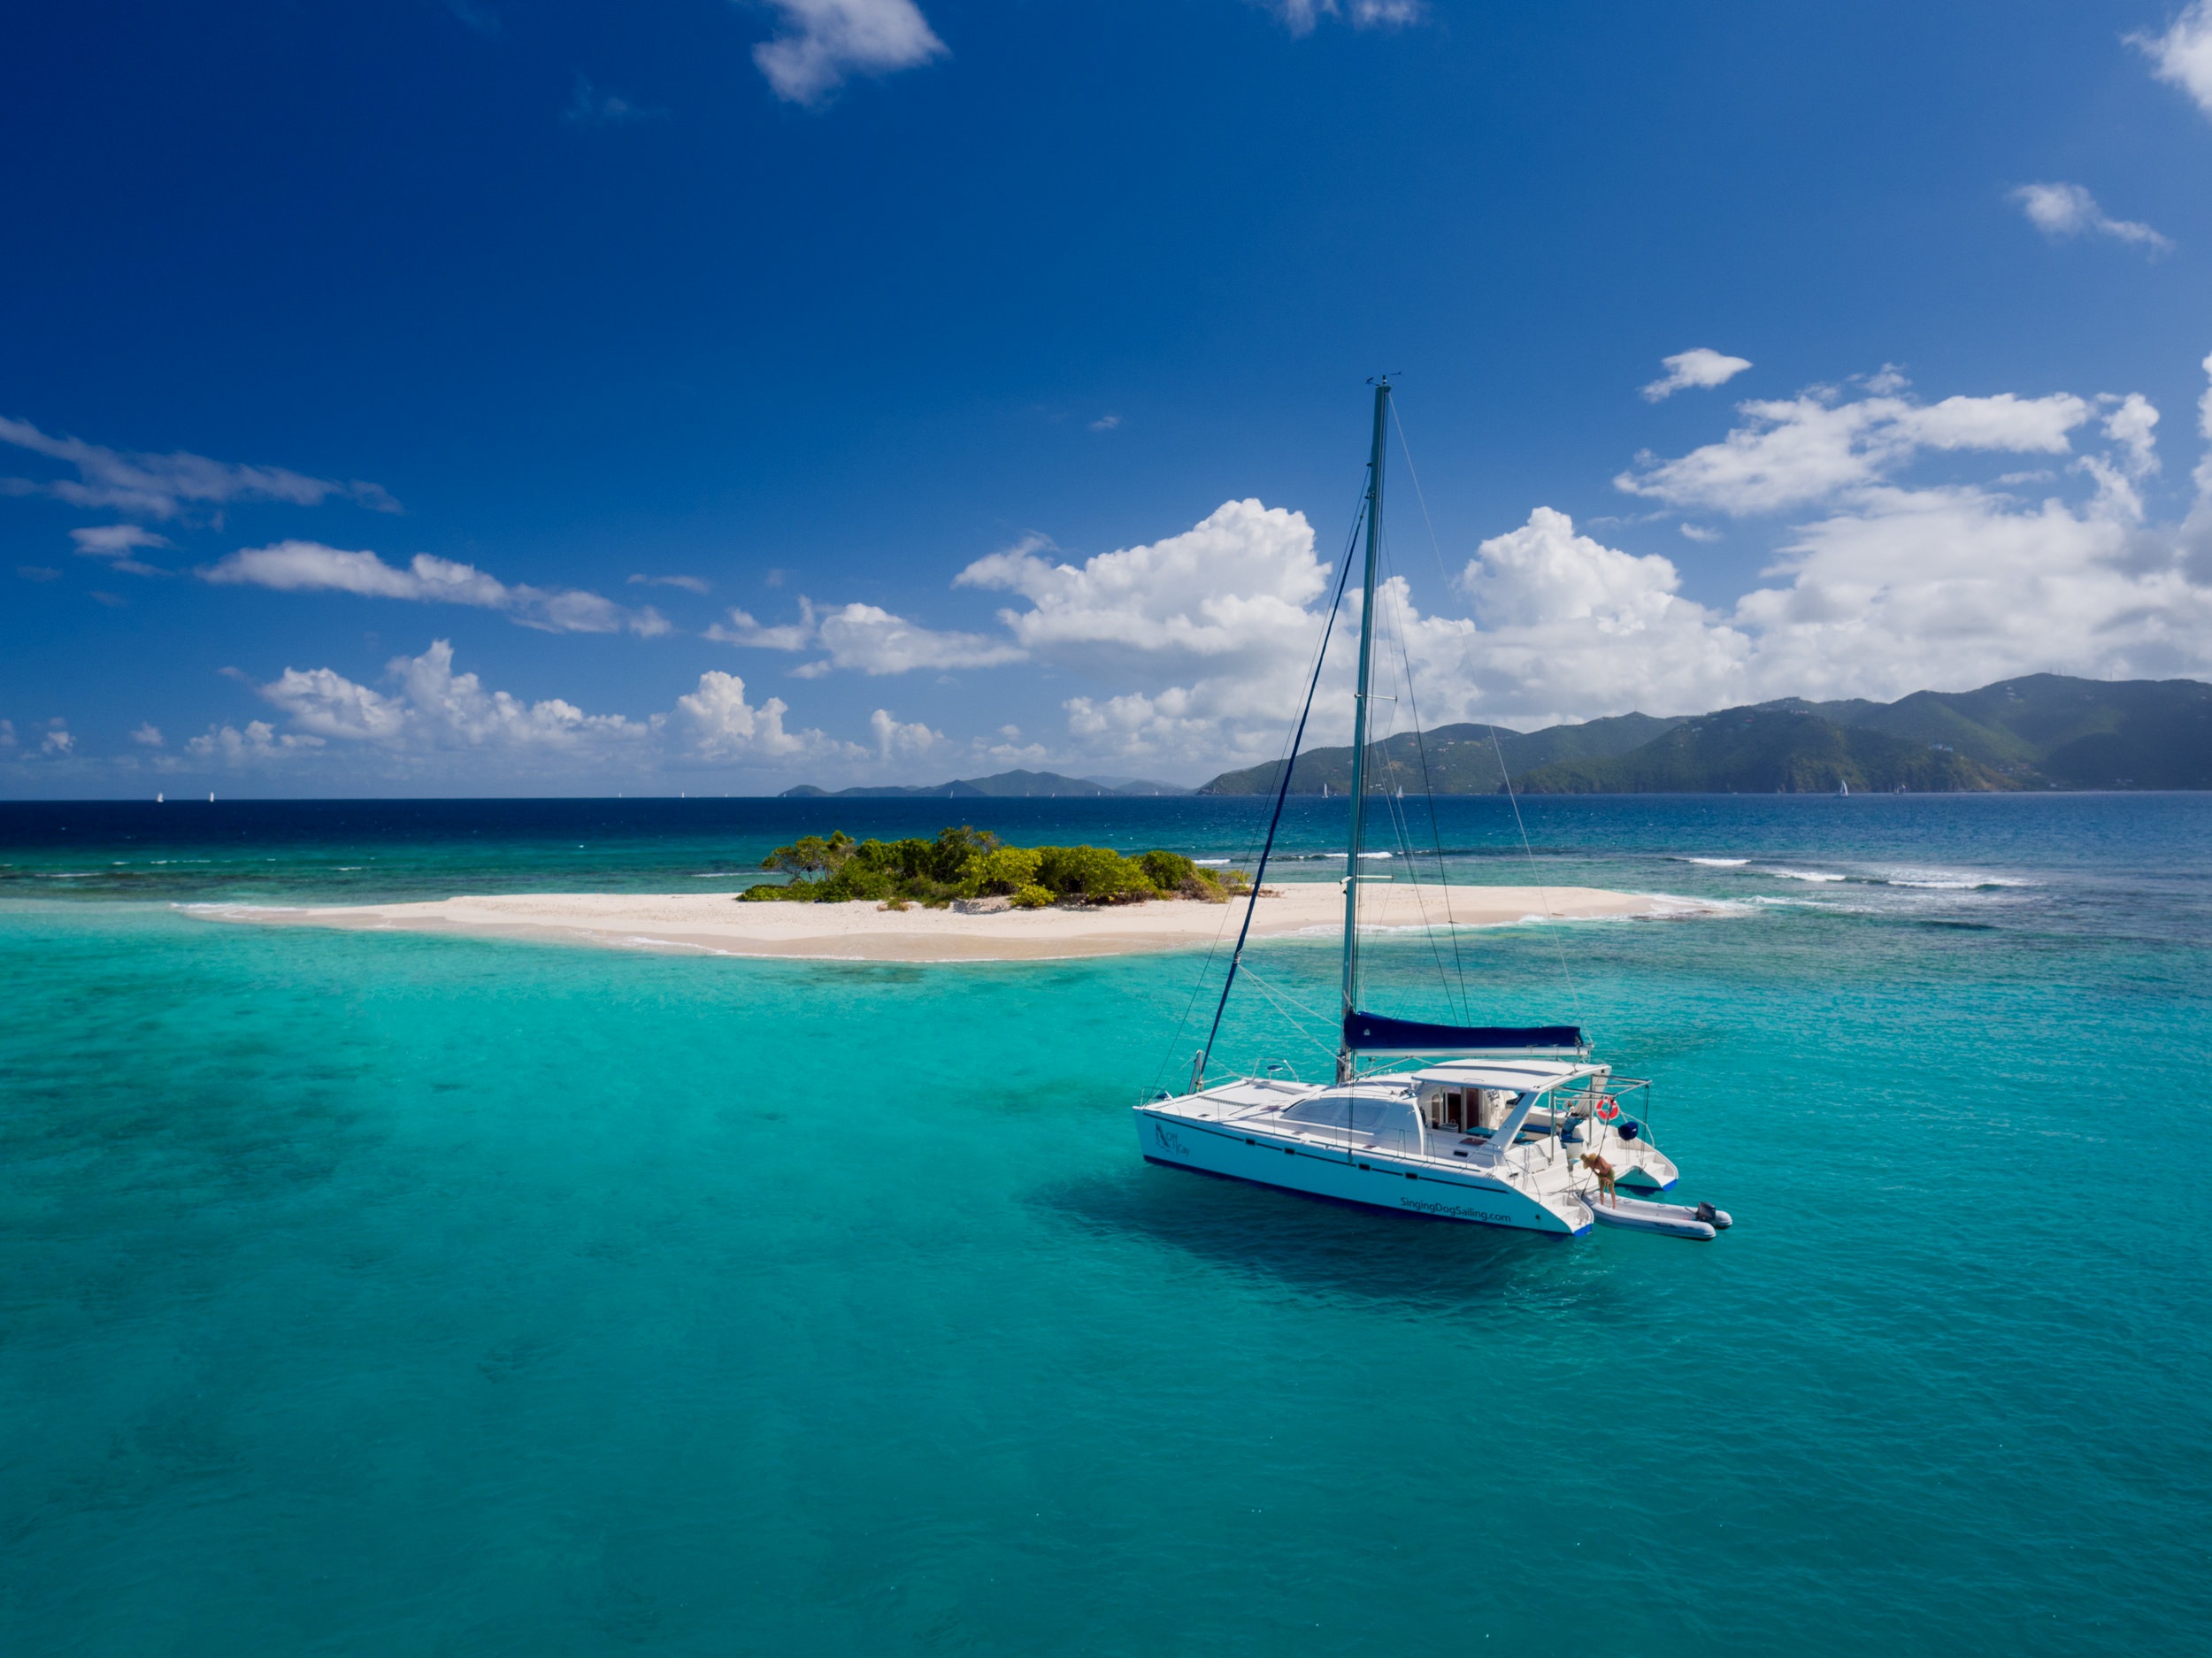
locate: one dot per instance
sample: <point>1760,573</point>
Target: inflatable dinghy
<point>1678,1220</point>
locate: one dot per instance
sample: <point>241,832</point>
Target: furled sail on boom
<point>1378,1033</point>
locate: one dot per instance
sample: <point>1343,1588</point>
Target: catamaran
<point>1517,1126</point>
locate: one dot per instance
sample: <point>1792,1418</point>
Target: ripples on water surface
<point>376,1293</point>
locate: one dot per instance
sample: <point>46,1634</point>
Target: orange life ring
<point>1606,1109</point>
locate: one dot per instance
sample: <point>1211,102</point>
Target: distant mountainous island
<point>1005,786</point>
<point>2044,730</point>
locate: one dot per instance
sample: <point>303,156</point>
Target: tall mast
<point>1359,728</point>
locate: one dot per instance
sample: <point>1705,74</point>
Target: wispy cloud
<point>2068,209</point>
<point>476,17</point>
<point>119,543</point>
<point>162,486</point>
<point>865,639</point>
<point>1699,368</point>
<point>310,567</point>
<point>743,629</point>
<point>1300,17</point>
<point>2182,57</point>
<point>820,44</point>
<point>689,584</point>
<point>595,106</point>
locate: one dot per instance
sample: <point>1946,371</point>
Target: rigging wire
<point>1574,993</point>
<point>1558,938</point>
<point>1288,760</point>
<point>1456,979</point>
<point>1289,1006</point>
<point>1285,997</point>
<point>1402,825</point>
<point>1282,790</point>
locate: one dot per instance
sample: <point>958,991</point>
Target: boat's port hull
<point>1370,1183</point>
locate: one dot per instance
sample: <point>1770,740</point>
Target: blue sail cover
<point>1375,1033</point>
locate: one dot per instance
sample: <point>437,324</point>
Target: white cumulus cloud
<point>2068,209</point>
<point>2182,57</point>
<point>309,567</point>
<point>1698,368</point>
<point>819,44</point>
<point>428,720</point>
<point>873,640</point>
<point>1225,589</point>
<point>1790,452</point>
<point>896,741</point>
<point>227,745</point>
<point>1210,630</point>
<point>723,725</point>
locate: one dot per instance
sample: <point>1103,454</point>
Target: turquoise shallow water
<point>370,1293</point>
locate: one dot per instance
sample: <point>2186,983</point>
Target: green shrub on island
<point>967,863</point>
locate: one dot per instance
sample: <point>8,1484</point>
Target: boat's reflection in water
<point>1314,1246</point>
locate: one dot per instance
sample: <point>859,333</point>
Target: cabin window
<point>1393,1124</point>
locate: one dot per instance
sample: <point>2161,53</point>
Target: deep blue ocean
<point>372,1293</point>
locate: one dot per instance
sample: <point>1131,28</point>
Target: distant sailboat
<point>1843,786</point>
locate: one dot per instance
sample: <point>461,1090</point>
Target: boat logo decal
<point>1460,1210</point>
<point>1168,1142</point>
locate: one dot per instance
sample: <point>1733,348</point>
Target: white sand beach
<point>716,924</point>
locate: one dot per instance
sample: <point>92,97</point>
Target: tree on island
<point>969,862</point>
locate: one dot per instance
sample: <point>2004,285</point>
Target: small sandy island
<point>716,924</point>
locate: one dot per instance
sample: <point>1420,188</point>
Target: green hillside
<point>2044,731</point>
<point>1768,750</point>
<point>2048,731</point>
<point>1462,759</point>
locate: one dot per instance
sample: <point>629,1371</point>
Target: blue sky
<point>505,397</point>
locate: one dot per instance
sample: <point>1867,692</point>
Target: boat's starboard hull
<point>1364,1183</point>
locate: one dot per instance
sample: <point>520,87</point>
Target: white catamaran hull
<point>1369,1179</point>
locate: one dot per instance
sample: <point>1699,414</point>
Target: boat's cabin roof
<point>1522,1076</point>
